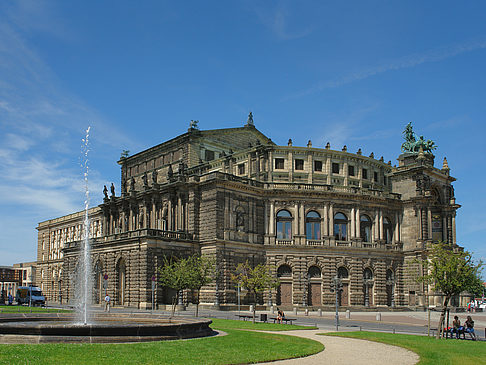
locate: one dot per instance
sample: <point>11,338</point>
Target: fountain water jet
<point>84,264</point>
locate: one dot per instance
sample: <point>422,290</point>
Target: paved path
<point>339,350</point>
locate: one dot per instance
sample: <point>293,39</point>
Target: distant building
<point>27,272</point>
<point>10,280</point>
<point>310,213</point>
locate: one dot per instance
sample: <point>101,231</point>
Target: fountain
<point>84,265</point>
<point>83,327</point>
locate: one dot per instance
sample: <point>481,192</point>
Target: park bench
<point>245,316</point>
<point>286,320</point>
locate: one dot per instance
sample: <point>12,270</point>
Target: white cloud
<point>277,21</point>
<point>433,55</point>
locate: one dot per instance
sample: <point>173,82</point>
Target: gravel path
<point>339,350</point>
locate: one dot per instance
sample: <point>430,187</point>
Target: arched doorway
<point>121,281</point>
<point>368,287</point>
<point>284,291</point>
<point>314,297</point>
<point>98,292</point>
<point>343,275</point>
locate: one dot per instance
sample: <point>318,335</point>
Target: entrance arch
<point>343,274</point>
<point>314,297</point>
<point>121,270</point>
<point>98,291</point>
<point>284,291</point>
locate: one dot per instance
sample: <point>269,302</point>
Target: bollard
<point>272,309</point>
<point>319,311</point>
<point>394,331</point>
<point>306,312</point>
<point>359,328</point>
<point>251,308</point>
<point>295,311</point>
<point>378,316</point>
<point>348,314</point>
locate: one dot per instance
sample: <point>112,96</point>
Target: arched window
<point>284,271</point>
<point>314,272</point>
<point>342,273</point>
<point>284,225</point>
<point>387,230</point>
<point>313,226</point>
<point>367,274</point>
<point>365,228</point>
<point>340,227</point>
<point>390,275</point>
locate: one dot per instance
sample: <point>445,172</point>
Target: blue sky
<point>353,72</point>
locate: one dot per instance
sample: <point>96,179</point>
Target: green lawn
<point>25,309</point>
<point>236,348</point>
<point>430,350</point>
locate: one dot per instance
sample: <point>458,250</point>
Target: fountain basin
<point>108,328</point>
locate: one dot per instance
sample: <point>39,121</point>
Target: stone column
<point>353,223</point>
<point>179,213</point>
<point>397,228</point>
<point>295,228</point>
<point>272,218</point>
<point>358,223</point>
<point>376,224</point>
<point>328,168</point>
<point>381,224</point>
<point>169,215</point>
<point>270,166</point>
<point>429,223</point>
<point>454,228</point>
<point>265,218</point>
<point>325,231</point>
<point>346,175</point>
<point>301,219</point>
<point>331,219</point>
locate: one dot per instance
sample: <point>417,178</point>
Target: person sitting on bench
<point>456,327</point>
<point>469,324</point>
<point>280,316</point>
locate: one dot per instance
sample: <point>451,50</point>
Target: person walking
<point>107,303</point>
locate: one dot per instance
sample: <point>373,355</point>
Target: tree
<point>451,271</point>
<point>200,271</point>
<point>255,280</point>
<point>175,274</point>
<point>192,272</point>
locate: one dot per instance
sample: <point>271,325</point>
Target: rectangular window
<point>375,176</point>
<point>279,163</point>
<point>208,155</point>
<point>351,170</point>
<point>365,174</point>
<point>241,169</point>
<point>317,165</point>
<point>335,168</point>
<point>299,164</point>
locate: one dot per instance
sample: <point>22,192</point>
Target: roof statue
<point>250,119</point>
<point>412,145</point>
<point>193,124</point>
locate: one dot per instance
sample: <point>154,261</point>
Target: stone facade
<point>310,213</point>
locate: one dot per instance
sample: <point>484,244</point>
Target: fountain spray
<point>85,259</point>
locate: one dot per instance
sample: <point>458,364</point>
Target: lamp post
<point>336,287</point>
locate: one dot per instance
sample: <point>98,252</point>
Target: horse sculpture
<point>412,145</point>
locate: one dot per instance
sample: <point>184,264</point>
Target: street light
<point>336,287</point>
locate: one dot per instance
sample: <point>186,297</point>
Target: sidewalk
<point>347,351</point>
